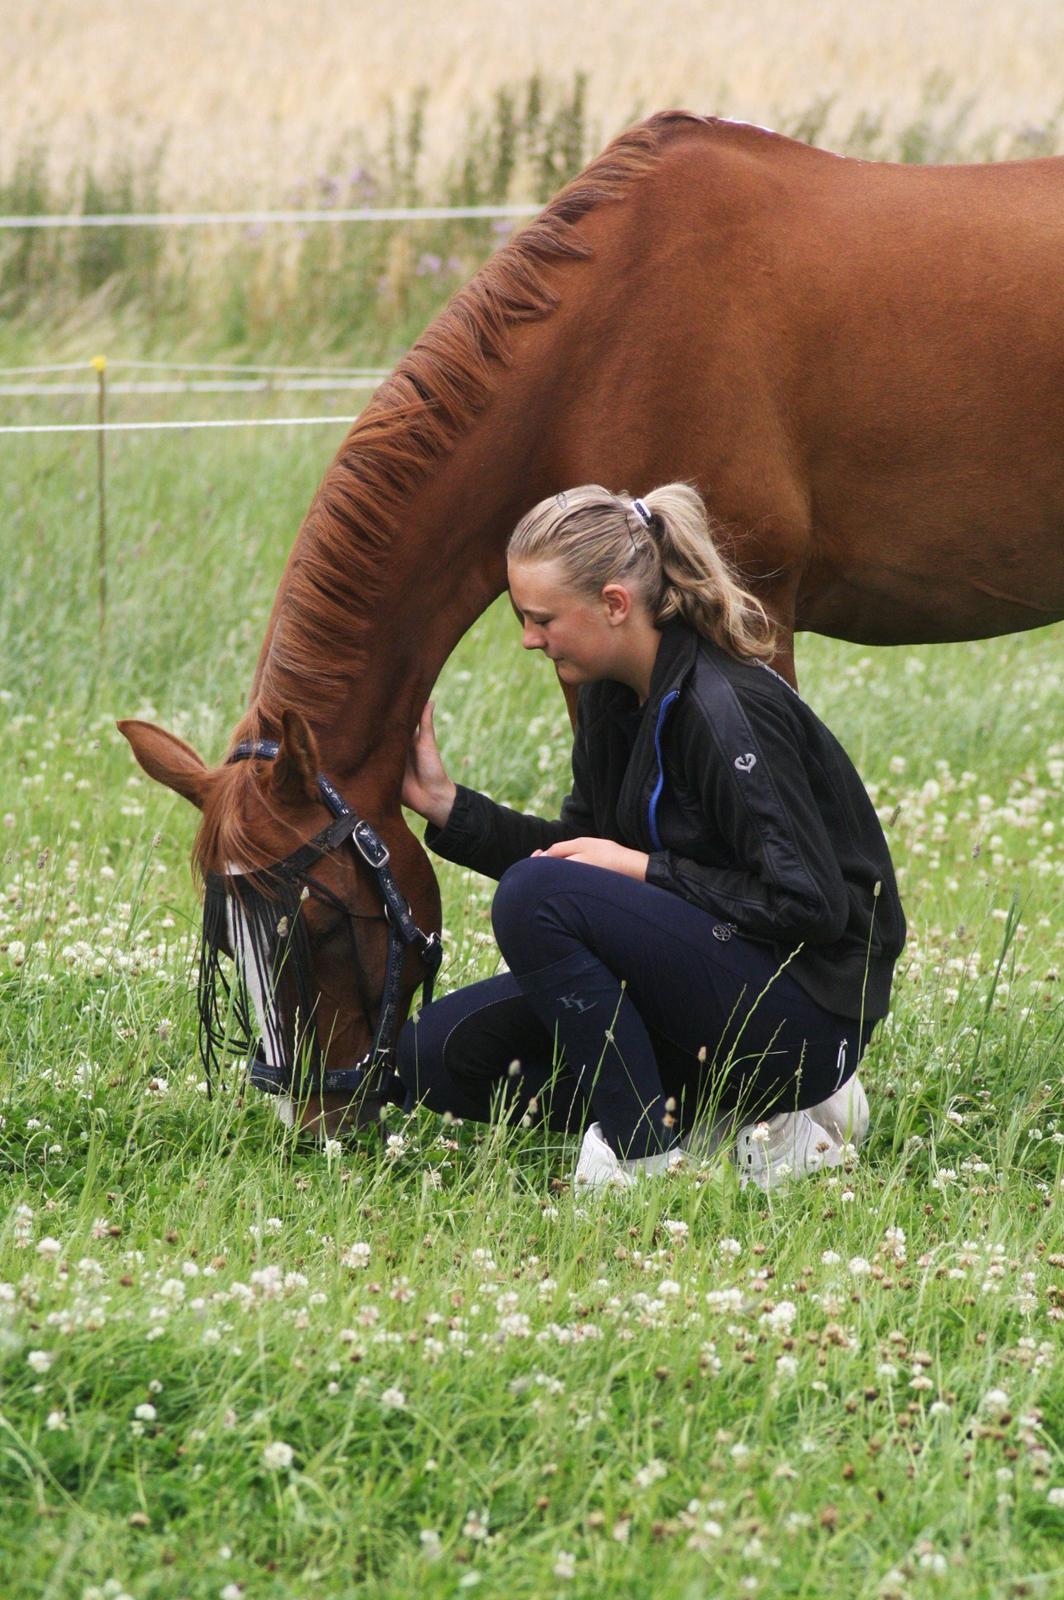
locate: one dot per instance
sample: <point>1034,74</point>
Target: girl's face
<point>580,635</point>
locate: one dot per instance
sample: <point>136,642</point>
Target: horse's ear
<point>294,774</point>
<point>169,760</point>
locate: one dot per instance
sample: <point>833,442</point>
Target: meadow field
<point>236,1367</point>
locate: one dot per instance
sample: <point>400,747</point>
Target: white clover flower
<point>431,1544</point>
<point>724,1299</point>
<point>830,1258</point>
<point>475,1525</point>
<point>57,1422</point>
<point>651,1473</point>
<point>393,1399</point>
<point>995,1400</point>
<point>356,1255</point>
<point>145,1412</point>
<point>40,1360</point>
<point>564,1564</point>
<point>232,1591</point>
<point>781,1316</point>
<point>277,1455</point>
<point>333,1149</point>
<point>49,1248</point>
<point>859,1266</point>
<point>675,1228</point>
<point>786,1366</point>
<point>730,1247</point>
<point>1055,1498</point>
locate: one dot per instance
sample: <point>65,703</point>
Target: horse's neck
<point>445,565</point>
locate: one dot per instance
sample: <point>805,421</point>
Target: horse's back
<point>883,346</point>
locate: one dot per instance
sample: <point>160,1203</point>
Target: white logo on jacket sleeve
<point>745,763</point>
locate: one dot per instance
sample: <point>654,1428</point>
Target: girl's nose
<point>532,638</point>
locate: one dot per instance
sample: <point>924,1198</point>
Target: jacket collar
<point>675,659</point>
<point>674,663</point>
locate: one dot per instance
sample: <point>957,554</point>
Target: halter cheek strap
<point>375,1072</point>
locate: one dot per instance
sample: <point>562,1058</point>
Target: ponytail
<point>662,545</point>
<point>698,582</point>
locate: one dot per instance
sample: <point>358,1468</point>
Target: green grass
<point>576,1417</point>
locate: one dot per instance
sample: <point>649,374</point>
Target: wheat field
<point>244,102</point>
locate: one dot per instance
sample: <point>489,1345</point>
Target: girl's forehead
<point>537,584</point>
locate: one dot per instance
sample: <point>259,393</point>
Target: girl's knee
<point>522,888</point>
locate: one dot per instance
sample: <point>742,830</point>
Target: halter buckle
<point>370,846</point>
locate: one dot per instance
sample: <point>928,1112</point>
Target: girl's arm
<point>467,827</point>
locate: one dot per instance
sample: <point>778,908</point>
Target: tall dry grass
<point>244,102</point>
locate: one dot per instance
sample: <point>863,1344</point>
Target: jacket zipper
<point>652,808</point>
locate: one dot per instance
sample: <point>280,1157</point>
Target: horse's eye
<point>329,923</point>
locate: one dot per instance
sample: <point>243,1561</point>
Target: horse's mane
<point>436,390</point>
<point>333,582</point>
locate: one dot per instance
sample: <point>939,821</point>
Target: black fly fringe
<point>253,921</point>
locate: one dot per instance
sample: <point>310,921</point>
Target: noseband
<point>283,887</point>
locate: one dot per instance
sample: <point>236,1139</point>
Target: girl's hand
<point>426,787</point>
<point>601,853</point>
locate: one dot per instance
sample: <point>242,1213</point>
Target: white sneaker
<point>600,1167</point>
<point>845,1113</point>
<point>785,1146</point>
<point>705,1136</point>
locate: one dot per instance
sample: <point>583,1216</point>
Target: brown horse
<point>860,366</point>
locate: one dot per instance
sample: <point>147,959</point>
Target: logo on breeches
<point>573,1002</point>
<point>747,762</point>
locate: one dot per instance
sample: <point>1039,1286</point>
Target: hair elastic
<point>643,512</point>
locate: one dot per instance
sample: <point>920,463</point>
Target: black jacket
<point>746,804</point>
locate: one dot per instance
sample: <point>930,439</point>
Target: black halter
<point>271,899</point>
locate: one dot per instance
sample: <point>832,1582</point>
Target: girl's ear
<point>617,601</point>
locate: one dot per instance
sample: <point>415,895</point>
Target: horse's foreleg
<point>778,601</point>
<point>783,658</point>
<point>570,691</point>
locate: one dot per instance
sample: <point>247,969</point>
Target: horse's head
<point>325,934</point>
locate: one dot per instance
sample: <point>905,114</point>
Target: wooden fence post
<point>100,363</point>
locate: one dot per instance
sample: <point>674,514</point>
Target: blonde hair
<point>598,537</point>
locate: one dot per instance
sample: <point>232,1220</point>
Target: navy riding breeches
<point>625,1005</point>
